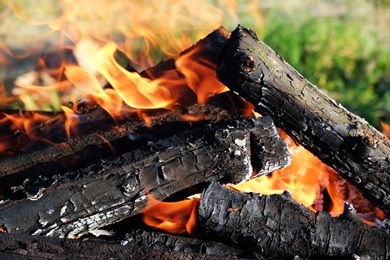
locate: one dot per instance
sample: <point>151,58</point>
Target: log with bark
<point>79,201</point>
<point>339,138</point>
<point>277,226</point>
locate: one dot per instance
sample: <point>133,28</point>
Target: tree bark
<point>339,138</point>
<point>277,226</point>
<point>72,204</point>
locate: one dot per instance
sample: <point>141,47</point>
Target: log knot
<point>248,62</point>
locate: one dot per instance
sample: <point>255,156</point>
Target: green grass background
<point>343,47</point>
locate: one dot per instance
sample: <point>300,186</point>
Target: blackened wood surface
<point>17,246</point>
<point>339,138</point>
<point>103,193</point>
<point>167,242</point>
<point>90,148</point>
<point>277,226</point>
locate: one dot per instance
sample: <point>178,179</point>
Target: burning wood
<point>109,177</point>
<point>276,226</point>
<point>114,189</point>
<point>339,138</point>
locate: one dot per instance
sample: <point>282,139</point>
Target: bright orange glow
<point>71,119</point>
<point>26,123</point>
<point>191,118</point>
<point>200,75</point>
<point>75,47</point>
<point>135,91</point>
<point>385,129</point>
<point>305,178</point>
<point>172,217</point>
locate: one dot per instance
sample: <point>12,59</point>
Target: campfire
<point>225,151</point>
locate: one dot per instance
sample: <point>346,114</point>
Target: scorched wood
<point>339,138</point>
<point>277,226</point>
<point>167,242</point>
<point>17,246</point>
<point>114,189</point>
<point>26,168</point>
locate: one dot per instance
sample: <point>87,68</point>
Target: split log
<point>104,193</point>
<point>339,138</point>
<point>277,226</point>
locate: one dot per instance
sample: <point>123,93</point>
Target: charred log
<point>103,193</point>
<point>87,149</point>
<point>21,246</point>
<point>167,242</point>
<point>276,226</point>
<point>339,138</point>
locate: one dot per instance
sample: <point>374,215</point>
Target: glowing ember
<point>304,178</point>
<point>172,217</point>
<point>307,179</point>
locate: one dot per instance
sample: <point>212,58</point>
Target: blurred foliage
<point>351,64</point>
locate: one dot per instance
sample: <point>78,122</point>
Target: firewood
<point>339,138</point>
<point>175,243</point>
<point>21,246</point>
<point>79,201</point>
<point>277,226</point>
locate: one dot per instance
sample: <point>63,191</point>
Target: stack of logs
<point>83,185</point>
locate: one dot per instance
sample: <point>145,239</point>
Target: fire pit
<point>96,172</point>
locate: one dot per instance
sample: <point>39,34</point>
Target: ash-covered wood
<point>21,246</point>
<point>103,193</point>
<point>277,226</point>
<point>339,138</point>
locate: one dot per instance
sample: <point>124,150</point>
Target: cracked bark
<point>339,138</point>
<point>277,226</point>
<point>103,193</point>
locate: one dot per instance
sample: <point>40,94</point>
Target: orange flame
<point>304,178</point>
<point>71,119</point>
<point>172,217</point>
<point>200,74</point>
<point>385,129</point>
<point>307,178</point>
<point>93,32</point>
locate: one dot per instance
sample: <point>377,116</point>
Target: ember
<point>176,218</point>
